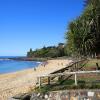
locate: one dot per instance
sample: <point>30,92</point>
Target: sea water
<point>8,66</point>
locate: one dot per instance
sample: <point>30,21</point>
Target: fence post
<point>68,95</point>
<point>39,82</point>
<point>48,80</point>
<point>75,79</point>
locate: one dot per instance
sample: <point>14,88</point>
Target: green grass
<point>64,82</point>
<point>92,62</point>
<point>68,84</point>
<point>46,89</point>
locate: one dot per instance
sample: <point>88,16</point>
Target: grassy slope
<point>92,63</point>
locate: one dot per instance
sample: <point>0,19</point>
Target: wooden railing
<point>69,70</point>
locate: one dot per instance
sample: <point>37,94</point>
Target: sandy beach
<point>22,81</point>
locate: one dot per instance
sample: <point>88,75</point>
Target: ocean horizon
<point>10,56</point>
<point>8,66</point>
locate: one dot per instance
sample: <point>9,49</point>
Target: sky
<point>26,24</point>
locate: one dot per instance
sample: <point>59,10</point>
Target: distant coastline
<point>9,57</point>
<point>22,58</point>
<point>28,59</point>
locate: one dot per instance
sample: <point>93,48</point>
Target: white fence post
<point>75,79</point>
<point>39,82</point>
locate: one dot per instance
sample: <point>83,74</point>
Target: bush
<point>66,82</point>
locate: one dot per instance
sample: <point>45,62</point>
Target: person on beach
<point>44,65</point>
<point>34,69</point>
<point>62,64</point>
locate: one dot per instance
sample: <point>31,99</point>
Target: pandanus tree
<point>83,36</point>
<point>95,22</point>
<point>79,39</point>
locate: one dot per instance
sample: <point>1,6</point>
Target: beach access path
<point>23,81</point>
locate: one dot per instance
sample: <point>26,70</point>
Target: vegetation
<point>92,63</point>
<point>51,51</point>
<point>83,35</point>
<point>85,81</point>
<point>82,39</point>
<point>55,87</point>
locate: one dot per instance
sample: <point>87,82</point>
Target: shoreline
<point>28,59</point>
<point>10,66</point>
<point>22,81</point>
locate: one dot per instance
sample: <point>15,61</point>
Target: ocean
<point>8,66</point>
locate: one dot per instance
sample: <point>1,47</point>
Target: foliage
<point>83,35</point>
<point>81,85</point>
<point>68,82</point>
<point>51,51</point>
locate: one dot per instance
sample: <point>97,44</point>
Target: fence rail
<point>76,67</point>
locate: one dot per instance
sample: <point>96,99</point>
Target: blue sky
<point>26,24</point>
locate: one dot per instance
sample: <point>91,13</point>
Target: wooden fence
<point>76,68</point>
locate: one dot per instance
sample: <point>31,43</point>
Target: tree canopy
<point>50,51</point>
<point>83,35</point>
